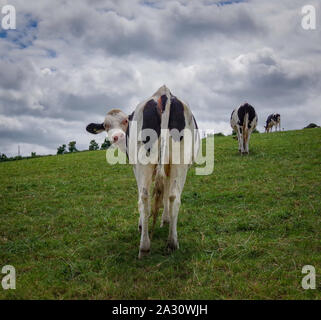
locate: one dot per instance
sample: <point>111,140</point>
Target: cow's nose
<point>115,138</point>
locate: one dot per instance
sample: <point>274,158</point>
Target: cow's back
<point>243,110</point>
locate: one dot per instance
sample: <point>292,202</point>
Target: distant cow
<point>273,120</point>
<point>243,121</point>
<point>168,117</point>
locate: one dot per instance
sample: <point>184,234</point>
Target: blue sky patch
<point>3,33</point>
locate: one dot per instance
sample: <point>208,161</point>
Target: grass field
<point>68,224</point>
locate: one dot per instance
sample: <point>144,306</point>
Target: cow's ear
<point>95,128</point>
<point>131,116</point>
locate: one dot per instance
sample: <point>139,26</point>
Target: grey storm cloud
<point>12,76</point>
<point>67,64</point>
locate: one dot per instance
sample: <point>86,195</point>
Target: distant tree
<point>61,149</point>
<point>105,145</point>
<point>72,146</point>
<point>255,131</point>
<point>93,145</point>
<point>33,154</point>
<point>3,157</point>
<point>219,134</point>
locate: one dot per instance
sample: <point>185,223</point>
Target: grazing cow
<point>273,120</point>
<point>170,120</point>
<point>243,121</point>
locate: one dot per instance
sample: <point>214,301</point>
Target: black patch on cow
<point>276,116</point>
<point>243,110</point>
<point>268,120</point>
<point>95,127</point>
<point>196,126</point>
<point>176,117</point>
<point>151,119</point>
<point>163,101</point>
<point>130,118</point>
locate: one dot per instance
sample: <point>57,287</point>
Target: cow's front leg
<point>165,215</point>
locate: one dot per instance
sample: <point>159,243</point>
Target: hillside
<point>68,224</point>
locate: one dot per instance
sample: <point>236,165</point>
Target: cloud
<point>66,65</point>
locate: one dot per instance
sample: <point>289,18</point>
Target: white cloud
<point>68,63</point>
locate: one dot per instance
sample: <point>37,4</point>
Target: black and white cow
<point>273,120</point>
<point>158,126</point>
<point>243,121</point>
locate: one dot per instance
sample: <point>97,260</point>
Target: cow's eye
<point>125,121</point>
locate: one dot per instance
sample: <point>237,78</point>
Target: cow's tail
<point>245,128</point>
<point>164,138</point>
<point>163,105</point>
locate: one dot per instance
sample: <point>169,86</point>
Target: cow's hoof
<point>143,253</point>
<point>172,245</point>
<point>164,221</point>
<point>245,153</point>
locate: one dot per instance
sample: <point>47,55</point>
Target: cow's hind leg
<point>238,134</point>
<point>177,181</point>
<point>240,138</point>
<point>246,146</point>
<point>144,174</point>
<point>165,215</point>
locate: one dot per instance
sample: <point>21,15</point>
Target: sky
<point>69,62</point>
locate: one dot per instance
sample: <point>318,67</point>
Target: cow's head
<point>115,124</point>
